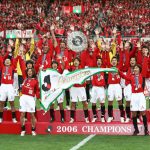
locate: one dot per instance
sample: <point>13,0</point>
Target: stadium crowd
<point>130,17</point>
<point>25,58</point>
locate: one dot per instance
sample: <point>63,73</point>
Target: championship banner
<point>52,83</point>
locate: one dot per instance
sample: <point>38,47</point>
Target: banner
<point>67,9</point>
<point>18,34</point>
<point>52,83</point>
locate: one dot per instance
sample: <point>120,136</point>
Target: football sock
<point>128,111</point>
<point>86,113</point>
<point>145,122</point>
<point>110,109</point>
<point>23,128</point>
<point>1,114</point>
<point>94,110</point>
<point>88,91</point>
<point>13,115</point>
<point>62,113</point>
<point>135,123</point>
<point>33,128</point>
<point>67,97</point>
<point>121,110</point>
<point>52,113</point>
<point>72,113</point>
<point>102,111</point>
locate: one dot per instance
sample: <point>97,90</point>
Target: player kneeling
<point>27,101</point>
<point>77,92</point>
<point>98,93</point>
<point>138,101</point>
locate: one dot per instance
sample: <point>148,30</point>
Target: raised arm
<point>16,48</point>
<point>126,77</point>
<point>32,46</point>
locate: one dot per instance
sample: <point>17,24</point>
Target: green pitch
<point>66,142</point>
<point>79,105</point>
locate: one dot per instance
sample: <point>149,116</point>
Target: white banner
<point>53,83</point>
<point>18,33</point>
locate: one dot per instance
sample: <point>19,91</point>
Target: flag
<point>52,83</point>
<point>67,9</point>
<point>59,31</point>
<point>78,9</point>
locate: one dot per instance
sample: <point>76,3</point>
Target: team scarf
<point>52,83</point>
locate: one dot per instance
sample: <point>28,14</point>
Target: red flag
<point>59,31</point>
<point>67,9</point>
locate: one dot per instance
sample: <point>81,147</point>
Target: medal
<point>4,77</point>
<point>136,88</point>
<point>99,78</point>
<point>113,79</point>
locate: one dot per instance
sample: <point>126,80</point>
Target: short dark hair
<point>134,58</point>
<point>29,62</point>
<point>114,57</point>
<point>54,62</point>
<point>77,59</point>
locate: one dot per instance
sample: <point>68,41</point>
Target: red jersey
<point>43,61</point>
<point>146,67</point>
<point>124,59</point>
<point>136,82</point>
<point>113,78</point>
<point>129,72</point>
<point>7,75</point>
<point>98,80</point>
<point>63,60</point>
<point>30,87</point>
<point>87,59</point>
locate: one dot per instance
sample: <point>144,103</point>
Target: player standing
<point>60,99</point>
<point>138,101</point>
<point>114,92</point>
<point>98,92</point>
<point>27,100</point>
<point>78,93</point>
<point>7,89</point>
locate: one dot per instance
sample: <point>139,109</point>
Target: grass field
<point>66,142</point>
<point>78,106</point>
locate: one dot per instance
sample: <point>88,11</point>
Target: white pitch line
<point>84,141</point>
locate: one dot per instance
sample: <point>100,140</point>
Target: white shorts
<point>60,99</point>
<point>27,103</point>
<point>98,93</point>
<point>77,94</point>
<point>128,92</point>
<point>122,83</point>
<point>7,90</point>
<point>138,102</point>
<point>114,92</point>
